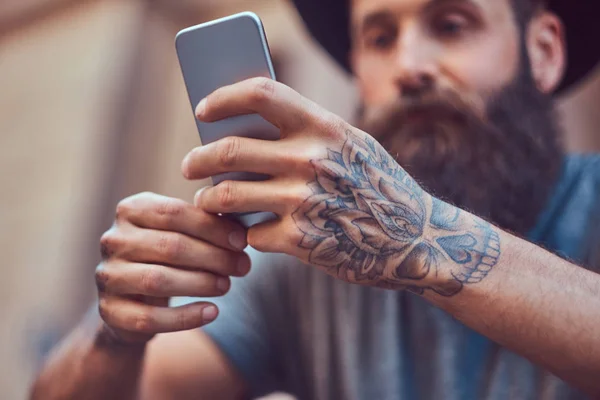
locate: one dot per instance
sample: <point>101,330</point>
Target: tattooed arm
<point>541,307</point>
<point>369,222</point>
<point>346,207</point>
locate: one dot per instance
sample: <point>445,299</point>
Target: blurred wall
<point>59,76</point>
<point>93,109</point>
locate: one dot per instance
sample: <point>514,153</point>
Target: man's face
<point>470,46</point>
<point>447,88</point>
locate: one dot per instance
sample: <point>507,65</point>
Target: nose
<point>416,68</point>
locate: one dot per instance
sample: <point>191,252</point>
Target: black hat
<point>327,21</point>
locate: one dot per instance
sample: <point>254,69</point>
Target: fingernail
<point>209,313</point>
<point>223,284</point>
<point>237,240</point>
<point>184,166</point>
<point>242,267</point>
<point>201,108</point>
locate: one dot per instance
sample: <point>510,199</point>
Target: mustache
<point>442,104</point>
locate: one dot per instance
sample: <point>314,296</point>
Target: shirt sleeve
<point>249,315</point>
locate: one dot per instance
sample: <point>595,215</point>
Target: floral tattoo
<point>367,221</point>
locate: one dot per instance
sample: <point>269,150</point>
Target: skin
<point>462,45</point>
<point>515,293</point>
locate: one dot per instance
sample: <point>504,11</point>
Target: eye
<point>380,40</point>
<point>451,25</point>
<point>383,41</point>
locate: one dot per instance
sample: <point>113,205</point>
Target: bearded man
<point>418,255</point>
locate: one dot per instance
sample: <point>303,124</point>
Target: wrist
<point>467,248</point>
<point>454,249</point>
<point>108,338</point>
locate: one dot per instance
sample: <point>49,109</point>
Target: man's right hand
<point>161,247</point>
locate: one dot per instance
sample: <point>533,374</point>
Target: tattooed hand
<point>344,204</point>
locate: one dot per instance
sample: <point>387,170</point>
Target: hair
<point>525,10</point>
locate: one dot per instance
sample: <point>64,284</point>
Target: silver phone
<point>220,53</point>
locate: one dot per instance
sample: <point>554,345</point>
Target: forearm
<point>539,306</point>
<point>88,366</point>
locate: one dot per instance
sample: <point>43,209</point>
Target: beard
<point>498,160</point>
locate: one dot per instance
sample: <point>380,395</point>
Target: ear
<point>547,50</point>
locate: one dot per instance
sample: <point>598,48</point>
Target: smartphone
<point>219,53</point>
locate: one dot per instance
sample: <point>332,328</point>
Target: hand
<point>161,247</point>
<point>344,204</point>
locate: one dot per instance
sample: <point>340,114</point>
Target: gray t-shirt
<point>289,327</point>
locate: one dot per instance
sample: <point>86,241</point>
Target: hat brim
<point>327,21</point>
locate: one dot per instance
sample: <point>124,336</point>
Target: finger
<point>277,236</point>
<point>159,281</point>
<point>234,154</point>
<point>243,197</point>
<point>153,211</point>
<point>132,316</point>
<point>175,249</point>
<point>274,101</point>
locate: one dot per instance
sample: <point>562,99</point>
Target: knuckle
<point>170,246</point>
<point>124,209</point>
<point>294,236</point>
<point>259,241</point>
<point>264,89</point>
<point>183,320</point>
<point>226,194</point>
<point>153,281</point>
<point>143,195</point>
<point>143,322</point>
<point>301,162</point>
<point>102,277</point>
<point>229,151</point>
<point>127,207</point>
<point>294,198</point>
<point>188,319</point>
<point>104,310</point>
<point>293,159</point>
<point>333,126</point>
<point>109,243</point>
<point>204,222</point>
<point>169,208</point>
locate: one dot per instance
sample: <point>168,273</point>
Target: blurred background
<point>93,109</point>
